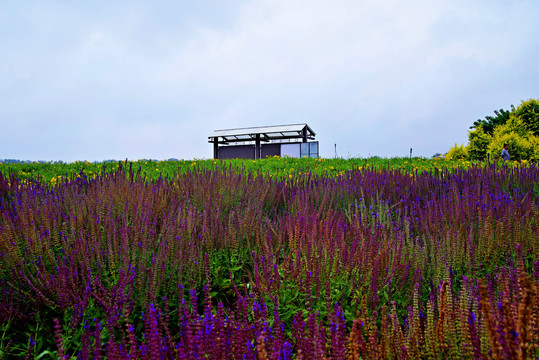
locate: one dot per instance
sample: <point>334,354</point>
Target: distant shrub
<point>457,152</point>
<point>478,144</point>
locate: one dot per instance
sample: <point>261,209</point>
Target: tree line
<point>518,128</point>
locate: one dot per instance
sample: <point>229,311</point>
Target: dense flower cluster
<point>372,263</point>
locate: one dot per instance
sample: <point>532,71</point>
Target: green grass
<point>281,167</point>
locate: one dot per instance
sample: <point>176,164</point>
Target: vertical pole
<point>410,153</point>
<point>215,148</point>
<point>257,147</point>
<point>304,134</point>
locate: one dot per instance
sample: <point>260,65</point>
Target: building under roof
<point>264,141</point>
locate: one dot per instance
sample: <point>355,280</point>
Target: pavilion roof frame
<point>263,133</point>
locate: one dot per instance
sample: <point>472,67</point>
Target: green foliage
<point>517,126</point>
<point>534,141</point>
<point>34,340</point>
<point>514,124</point>
<point>274,167</point>
<point>520,148</point>
<point>515,133</point>
<point>457,152</point>
<point>478,144</point>
<point>491,122</point>
<point>528,112</point>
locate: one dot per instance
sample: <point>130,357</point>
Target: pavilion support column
<point>257,147</point>
<point>304,134</point>
<point>215,149</point>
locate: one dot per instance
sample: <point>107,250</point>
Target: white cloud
<point>305,41</point>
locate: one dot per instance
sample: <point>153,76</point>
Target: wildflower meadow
<point>272,259</point>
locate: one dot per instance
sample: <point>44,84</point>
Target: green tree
<point>478,142</point>
<point>514,133</point>
<point>490,122</point>
<point>528,112</point>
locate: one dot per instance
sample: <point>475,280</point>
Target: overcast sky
<point>98,80</point>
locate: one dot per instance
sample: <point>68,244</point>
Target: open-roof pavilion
<point>299,133</point>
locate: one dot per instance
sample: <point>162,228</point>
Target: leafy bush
<point>478,144</point>
<point>520,148</point>
<point>514,124</point>
<point>517,127</point>
<point>514,133</point>
<point>457,152</point>
<point>528,112</point>
<point>534,141</point>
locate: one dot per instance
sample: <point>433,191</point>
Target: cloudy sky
<point>97,80</point>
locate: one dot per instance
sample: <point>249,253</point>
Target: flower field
<point>273,259</point>
<point>274,166</point>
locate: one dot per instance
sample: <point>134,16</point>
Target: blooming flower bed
<point>225,263</point>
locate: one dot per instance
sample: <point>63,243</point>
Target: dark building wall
<point>269,150</point>
<point>239,151</point>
